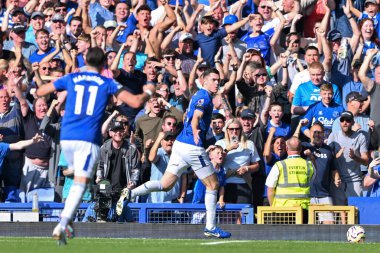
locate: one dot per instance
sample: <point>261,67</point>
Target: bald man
<point>289,180</point>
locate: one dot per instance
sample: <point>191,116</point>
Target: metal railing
<point>149,213</point>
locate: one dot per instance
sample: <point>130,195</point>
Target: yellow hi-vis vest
<point>293,185</point>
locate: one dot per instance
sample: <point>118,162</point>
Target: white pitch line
<point>221,242</point>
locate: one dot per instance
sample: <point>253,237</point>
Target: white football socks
<point>146,188</point>
<point>210,203</point>
<point>72,202</point>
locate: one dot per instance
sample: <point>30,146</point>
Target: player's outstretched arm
<point>136,101</point>
<point>45,89</point>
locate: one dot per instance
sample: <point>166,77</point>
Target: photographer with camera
<point>119,167</point>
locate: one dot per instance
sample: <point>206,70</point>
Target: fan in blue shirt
<point>371,11</point>
<point>309,93</point>
<point>275,112</point>
<point>210,40</point>
<point>325,111</point>
<point>260,41</point>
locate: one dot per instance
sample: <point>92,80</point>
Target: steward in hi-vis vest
<point>289,180</point>
<point>293,185</point>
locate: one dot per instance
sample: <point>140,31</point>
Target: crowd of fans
<point>304,68</point>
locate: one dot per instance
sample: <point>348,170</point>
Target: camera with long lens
<point>103,195</point>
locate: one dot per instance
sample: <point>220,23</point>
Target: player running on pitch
<point>188,151</point>
<point>88,94</point>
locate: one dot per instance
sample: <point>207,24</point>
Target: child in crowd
<point>216,157</point>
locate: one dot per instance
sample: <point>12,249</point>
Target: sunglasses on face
<point>261,74</point>
<point>169,58</point>
<point>233,129</point>
<point>45,68</point>
<point>345,120</point>
<point>125,123</point>
<point>59,9</point>
<point>171,124</point>
<point>265,7</point>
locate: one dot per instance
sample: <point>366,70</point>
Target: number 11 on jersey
<point>80,89</point>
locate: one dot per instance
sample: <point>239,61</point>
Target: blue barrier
<point>146,212</point>
<point>368,209</point>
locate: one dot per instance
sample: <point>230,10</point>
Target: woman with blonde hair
<point>241,160</point>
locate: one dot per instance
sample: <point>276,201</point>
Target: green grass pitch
<point>92,245</point>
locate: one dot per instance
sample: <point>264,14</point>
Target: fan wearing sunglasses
<point>149,125</point>
<point>241,160</point>
<point>351,151</point>
<point>253,88</point>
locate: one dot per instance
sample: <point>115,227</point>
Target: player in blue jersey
<point>88,94</point>
<point>188,151</point>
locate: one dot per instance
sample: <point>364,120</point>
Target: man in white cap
<point>186,52</point>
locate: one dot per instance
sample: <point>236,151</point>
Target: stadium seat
<point>44,194</point>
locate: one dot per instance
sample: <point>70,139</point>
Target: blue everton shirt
<point>211,44</point>
<point>202,101</point>
<point>322,113</point>
<point>87,97</point>
<point>261,43</point>
<point>308,94</point>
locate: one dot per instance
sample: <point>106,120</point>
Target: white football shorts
<point>185,155</point>
<point>81,157</point>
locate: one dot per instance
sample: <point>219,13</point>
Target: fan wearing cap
<point>351,151</point>
<point>239,45</point>
<point>343,50</point>
<point>255,133</point>
<point>58,26</point>
<point>37,22</point>
<point>371,11</point>
<point>159,156</point>
<point>355,101</point>
<point>17,16</point>
<point>17,40</point>
<point>14,4</point>
<point>372,86</point>
<point>186,52</point>
<point>119,159</point>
